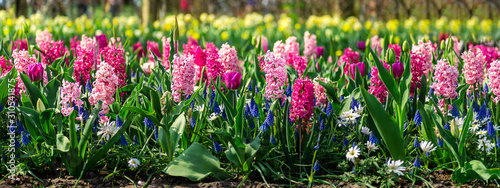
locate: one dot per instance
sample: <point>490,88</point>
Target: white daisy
<point>108,129</point>
<point>371,146</point>
<point>474,127</point>
<point>427,146</point>
<point>366,130</point>
<point>352,153</point>
<point>350,116</point>
<point>133,163</point>
<point>395,166</point>
<point>213,117</point>
<point>481,133</point>
<point>199,108</point>
<point>496,127</point>
<point>485,144</point>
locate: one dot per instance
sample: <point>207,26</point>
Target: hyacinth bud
<point>390,57</point>
<point>166,102</point>
<point>370,57</point>
<point>454,129</point>
<point>442,45</point>
<point>406,46</point>
<point>40,106</point>
<point>450,45</point>
<point>176,30</point>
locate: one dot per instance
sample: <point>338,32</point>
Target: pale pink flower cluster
<point>105,86</point>
<point>494,79</point>
<point>375,43</point>
<point>309,45</point>
<point>319,92</point>
<point>473,69</point>
<point>183,76</point>
<point>21,61</point>
<point>292,46</point>
<point>276,75</point>
<point>421,62</point>
<point>446,77</point>
<point>229,58</point>
<point>86,59</point>
<point>279,50</point>
<point>70,95</point>
<point>166,52</point>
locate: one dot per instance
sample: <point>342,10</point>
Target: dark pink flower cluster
<point>137,48</point>
<point>153,48</point>
<point>102,41</point>
<point>51,50</point>
<point>298,62</point>
<point>20,44</point>
<point>490,53</point>
<point>377,87</point>
<point>166,52</point>
<point>302,101</point>
<point>86,59</point>
<point>214,66</point>
<point>351,60</point>
<point>114,55</point>
<point>5,66</point>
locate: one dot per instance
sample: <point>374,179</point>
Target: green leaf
<point>52,92</point>
<point>387,79</point>
<point>386,126</point>
<point>33,92</point>
<point>448,139</point>
<point>176,131</point>
<point>196,163</point>
<point>483,172</point>
<point>149,115</point>
<point>62,143</point>
<point>87,131</point>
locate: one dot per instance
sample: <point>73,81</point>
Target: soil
<point>98,179</point>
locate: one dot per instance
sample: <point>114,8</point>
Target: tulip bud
<point>442,45</point>
<point>35,72</point>
<point>370,57</point>
<point>176,31</point>
<point>367,43</point>
<point>406,46</point>
<point>319,51</point>
<point>450,45</point>
<point>362,45</point>
<point>397,69</point>
<point>382,43</point>
<point>40,106</point>
<point>254,40</point>
<point>233,80</point>
<point>390,57</point>
<point>148,67</point>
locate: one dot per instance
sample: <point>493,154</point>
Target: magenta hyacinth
<point>214,67</point>
<point>182,77</point>
<point>302,102</point>
<point>166,52</point>
<point>229,58</point>
<point>35,72</point>
<point>86,59</point>
<point>5,66</point>
<point>309,45</point>
<point>102,41</point>
<point>490,53</point>
<point>104,87</point>
<point>114,55</point>
<point>298,62</point>
<point>473,69</point>
<point>319,93</point>
<point>51,50</point>
<point>153,48</point>
<point>292,46</point>
<point>446,77</point>
<point>349,57</point>
<point>137,48</point>
<point>421,63</point>
<point>70,95</point>
<point>20,44</point>
<point>377,87</point>
<point>494,79</point>
<point>200,59</point>
<point>233,80</point>
<point>276,76</point>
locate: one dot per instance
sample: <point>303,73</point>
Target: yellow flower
<point>9,22</point>
<point>455,25</point>
<point>6,31</point>
<point>338,52</point>
<point>297,26</point>
<point>224,35</point>
<point>129,33</point>
<point>373,31</point>
<point>368,24</point>
<point>397,39</point>
<point>393,25</point>
<point>203,17</point>
<point>69,24</point>
<point>245,35</point>
<point>357,26</point>
<point>486,25</point>
<point>196,36</point>
<point>156,24</point>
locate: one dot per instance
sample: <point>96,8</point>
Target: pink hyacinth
<point>375,43</point>
<point>153,48</point>
<point>279,50</point>
<point>263,45</point>
<point>351,60</point>
<point>102,41</point>
<point>22,59</point>
<point>377,87</point>
<point>490,53</point>
<point>298,62</point>
<point>229,58</point>
<point>182,77</point>
<point>104,87</point>
<point>456,44</point>
<point>166,52</point>
<point>50,50</point>
<point>292,46</point>
<point>214,67</point>
<point>309,45</point>
<point>74,43</point>
<point>494,78</point>
<point>319,93</point>
<point>70,95</point>
<point>302,102</point>
<point>86,59</point>
<point>114,55</point>
<point>421,63</point>
<point>199,61</point>
<point>397,50</point>
<point>5,66</point>
<point>473,69</point>
<point>276,75</point>
<point>137,48</point>
<point>20,44</point>
<point>446,77</point>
